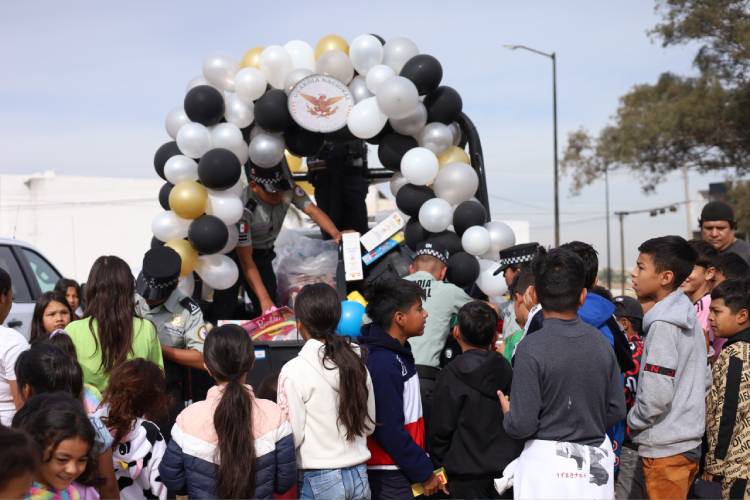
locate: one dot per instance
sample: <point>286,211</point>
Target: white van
<point>32,274</point>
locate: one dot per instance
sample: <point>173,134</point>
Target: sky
<point>86,85</point>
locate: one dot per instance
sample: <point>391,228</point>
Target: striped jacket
<point>398,442</point>
<point>189,465</point>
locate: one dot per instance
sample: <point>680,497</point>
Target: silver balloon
<point>256,131</point>
<point>196,81</point>
<point>237,111</point>
<point>186,284</point>
<point>175,119</point>
<point>436,137</point>
<point>180,168</point>
<point>193,140</point>
<point>476,240</point>
<point>219,70</point>
<point>456,183</point>
<point>365,52</point>
<point>234,238</point>
<point>413,123</point>
<point>397,97</point>
<point>397,182</point>
<point>377,75</point>
<point>358,88</point>
<point>501,236</point>
<point>294,77</point>
<point>266,151</point>
<point>229,136</point>
<point>275,64</point>
<point>397,51</point>
<point>456,131</point>
<point>435,215</point>
<point>217,271</point>
<point>167,226</point>
<point>337,64</point>
<point>250,84</point>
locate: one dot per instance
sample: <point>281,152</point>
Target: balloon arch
<point>283,102</point>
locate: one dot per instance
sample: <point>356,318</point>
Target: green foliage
<point>739,197</point>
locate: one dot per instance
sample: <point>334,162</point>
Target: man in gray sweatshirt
<point>668,418</point>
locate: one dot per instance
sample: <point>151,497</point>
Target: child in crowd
<point>467,435</point>
<point>568,392</point>
<point>19,460</point>
<point>137,392</point>
<point>512,261</point>
<point>728,403</point>
<point>12,344</point>
<point>63,434</point>
<point>668,418</point>
<point>521,294</point>
<point>730,266</point>
<point>51,313</point>
<point>71,290</point>
<point>232,424</point>
<point>698,287</point>
<point>328,378</point>
<point>398,444</point>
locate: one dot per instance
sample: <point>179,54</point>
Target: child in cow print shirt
<point>136,391</point>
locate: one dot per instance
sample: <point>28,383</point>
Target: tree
<point>696,122</point>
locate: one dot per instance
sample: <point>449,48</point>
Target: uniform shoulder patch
<point>191,305</point>
<point>298,191</point>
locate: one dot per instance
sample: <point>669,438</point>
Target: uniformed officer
<point>267,201</point>
<point>178,320</point>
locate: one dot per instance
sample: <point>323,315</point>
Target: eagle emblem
<point>321,106</point>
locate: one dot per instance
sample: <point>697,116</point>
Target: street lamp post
<point>553,57</point>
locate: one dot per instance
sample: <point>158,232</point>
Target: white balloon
<point>226,206</point>
<point>238,188</point>
<point>181,168</point>
<point>420,166</point>
<point>397,182</point>
<point>413,123</point>
<point>249,84</point>
<point>456,183</point>
<point>301,53</point>
<point>397,51</point>
<point>501,236</point>
<point>219,71</point>
<point>275,63</point>
<point>358,88</point>
<point>397,97</point>
<point>435,215</point>
<point>336,64</point>
<point>193,140</point>
<point>218,271</point>
<point>377,75</point>
<point>294,78</point>
<point>365,119</point>
<point>436,136</point>
<point>237,111</point>
<point>476,240</point>
<point>492,286</point>
<point>229,136</point>
<point>365,51</point>
<point>234,238</point>
<point>168,226</point>
<point>196,81</point>
<point>266,151</point>
<point>186,284</point>
<point>175,119</point>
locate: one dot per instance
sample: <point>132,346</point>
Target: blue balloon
<point>351,318</point>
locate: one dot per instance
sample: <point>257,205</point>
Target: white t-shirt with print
<point>12,344</point>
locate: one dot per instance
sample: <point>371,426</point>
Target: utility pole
<point>609,252</point>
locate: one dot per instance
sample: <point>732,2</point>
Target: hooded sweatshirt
<point>466,432</point>
<point>398,442</point>
<point>668,417</point>
<point>309,391</point>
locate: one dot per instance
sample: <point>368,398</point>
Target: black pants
<point>427,377</point>
<point>389,485</point>
<point>226,303</point>
<point>474,487</point>
<point>341,193</point>
<point>176,379</point>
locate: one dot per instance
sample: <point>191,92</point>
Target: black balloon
<point>341,135</point>
<point>467,214</point>
<point>392,148</point>
<point>155,242</point>
<point>204,104</point>
<point>410,198</point>
<point>164,153</point>
<point>271,112</point>
<point>380,38</point>
<point>387,129</point>
<point>448,240</point>
<point>302,142</point>
<point>414,233</point>
<point>164,195</point>
<point>219,168</point>
<point>463,269</point>
<point>424,71</point>
<point>444,105</point>
<point>208,234</point>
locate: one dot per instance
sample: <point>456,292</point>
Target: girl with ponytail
<point>328,394</point>
<point>231,445</point>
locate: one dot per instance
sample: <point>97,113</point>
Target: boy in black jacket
<point>466,431</point>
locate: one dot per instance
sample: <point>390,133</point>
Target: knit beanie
<point>717,210</point>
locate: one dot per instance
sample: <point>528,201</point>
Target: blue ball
<point>351,318</point>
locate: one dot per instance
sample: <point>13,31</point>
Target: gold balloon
<point>188,199</point>
<point>331,42</point>
<point>251,59</point>
<point>188,255</point>
<point>453,154</point>
<point>294,162</point>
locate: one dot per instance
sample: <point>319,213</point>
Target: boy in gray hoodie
<point>668,418</point>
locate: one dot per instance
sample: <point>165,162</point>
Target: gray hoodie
<point>668,417</point>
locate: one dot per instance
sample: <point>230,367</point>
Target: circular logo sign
<point>320,103</point>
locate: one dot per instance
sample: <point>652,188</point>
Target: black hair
<point>50,419</point>
<point>5,283</point>
<point>229,355</point>
<point>671,253</point>
<point>477,323</point>
<point>590,259</point>
<point>732,266</point>
<point>38,332</point>
<point>47,368</point>
<point>63,284</point>
<point>19,455</point>
<point>706,254</point>
<point>559,279</point>
<point>389,295</point>
<point>269,387</point>
<point>602,292</point>
<point>521,282</point>
<point>318,308</point>
<point>735,293</point>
